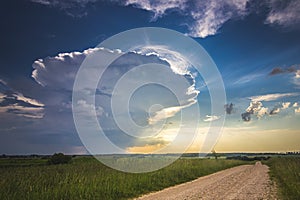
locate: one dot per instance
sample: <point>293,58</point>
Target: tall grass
<point>285,171</point>
<point>86,178</point>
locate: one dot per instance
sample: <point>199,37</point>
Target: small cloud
<point>246,116</point>
<point>297,74</point>
<point>284,70</point>
<point>295,104</point>
<point>43,2</point>
<point>88,109</point>
<point>248,78</point>
<point>274,111</point>
<point>210,118</point>
<point>297,110</point>
<point>157,7</point>
<point>229,108</point>
<point>296,78</point>
<point>285,105</point>
<point>276,70</point>
<point>164,114</point>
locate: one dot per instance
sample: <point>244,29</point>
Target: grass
<point>285,171</point>
<point>86,178</point>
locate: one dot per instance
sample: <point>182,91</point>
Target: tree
<point>214,153</point>
<point>59,158</point>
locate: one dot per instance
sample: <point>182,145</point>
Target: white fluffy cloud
<point>256,108</point>
<point>286,105</point>
<point>60,71</point>
<point>208,16</point>
<point>157,6</point>
<point>296,78</point>
<point>297,74</point>
<point>263,111</point>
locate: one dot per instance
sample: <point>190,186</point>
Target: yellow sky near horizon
<point>238,139</point>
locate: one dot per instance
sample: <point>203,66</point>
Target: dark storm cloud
<point>246,116</point>
<point>276,70</point>
<point>229,108</point>
<point>284,70</point>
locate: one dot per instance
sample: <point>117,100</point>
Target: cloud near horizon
<point>256,106</point>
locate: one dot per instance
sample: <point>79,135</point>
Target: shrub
<point>59,158</point>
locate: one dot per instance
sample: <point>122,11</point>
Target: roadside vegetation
<point>285,172</point>
<point>86,178</point>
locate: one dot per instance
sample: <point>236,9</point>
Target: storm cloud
<point>229,108</point>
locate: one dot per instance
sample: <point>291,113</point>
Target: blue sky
<point>254,44</point>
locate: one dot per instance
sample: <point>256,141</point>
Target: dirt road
<point>242,182</point>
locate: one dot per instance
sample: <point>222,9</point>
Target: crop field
<point>86,178</point>
<point>285,171</point>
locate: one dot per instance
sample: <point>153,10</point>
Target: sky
<point>251,47</point>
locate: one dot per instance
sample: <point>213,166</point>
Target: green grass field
<point>86,178</point>
<point>285,171</point>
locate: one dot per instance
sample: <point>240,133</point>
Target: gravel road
<point>242,182</point>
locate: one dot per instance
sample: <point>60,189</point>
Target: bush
<point>59,158</point>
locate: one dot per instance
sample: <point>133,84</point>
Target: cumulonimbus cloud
<point>59,72</point>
